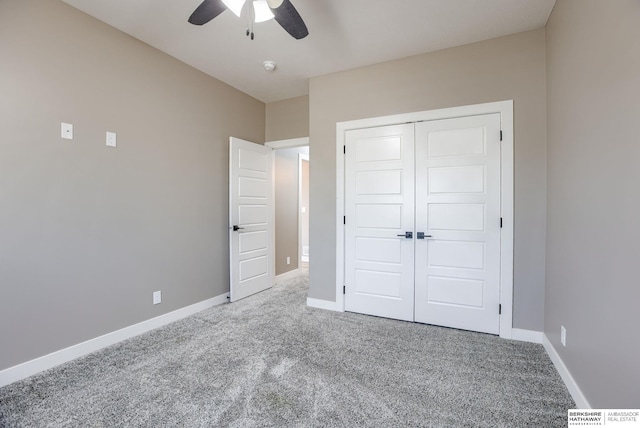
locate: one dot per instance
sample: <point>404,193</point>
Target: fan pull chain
<point>250,21</point>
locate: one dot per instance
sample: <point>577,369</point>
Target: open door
<point>251,218</point>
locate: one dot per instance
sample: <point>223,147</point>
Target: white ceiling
<point>344,34</point>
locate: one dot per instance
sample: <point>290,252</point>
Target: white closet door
<point>457,281</point>
<point>379,270</point>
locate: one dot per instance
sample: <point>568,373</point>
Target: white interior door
<point>379,204</point>
<point>457,281</point>
<point>251,218</point>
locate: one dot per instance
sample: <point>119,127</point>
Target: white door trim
<point>301,157</point>
<point>288,144</point>
<point>505,108</point>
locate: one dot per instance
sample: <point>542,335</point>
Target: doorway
<point>291,206</point>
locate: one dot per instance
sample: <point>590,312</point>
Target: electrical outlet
<point>288,260</point>
<point>157,297</point>
<point>563,335</point>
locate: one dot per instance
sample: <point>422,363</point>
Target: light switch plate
<point>66,131</point>
<point>111,139</point>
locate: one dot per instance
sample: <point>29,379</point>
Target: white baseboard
<point>527,335</point>
<point>572,386</point>
<point>29,368</point>
<point>323,304</point>
<point>288,275</point>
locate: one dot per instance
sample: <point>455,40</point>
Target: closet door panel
<point>379,206</point>
<point>457,265</point>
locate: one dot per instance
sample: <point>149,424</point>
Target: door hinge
<point>344,220</point>
<point>501,135</point>
<point>344,149</point>
<point>500,222</point>
<point>500,309</point>
<point>344,289</point>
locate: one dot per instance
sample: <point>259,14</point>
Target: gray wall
<point>286,185</point>
<point>87,233</point>
<point>593,244</point>
<point>287,119</point>
<point>511,67</point>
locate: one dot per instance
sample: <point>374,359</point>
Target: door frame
<point>505,109</point>
<point>301,158</point>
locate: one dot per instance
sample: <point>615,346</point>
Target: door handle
<point>421,235</point>
<point>237,228</point>
<point>407,235</point>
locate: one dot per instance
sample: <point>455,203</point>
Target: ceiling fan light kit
<point>234,6</point>
<point>282,11</point>
<point>261,11</point>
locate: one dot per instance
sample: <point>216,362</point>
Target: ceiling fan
<point>281,10</point>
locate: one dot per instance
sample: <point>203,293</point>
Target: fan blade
<point>288,17</point>
<point>207,10</point>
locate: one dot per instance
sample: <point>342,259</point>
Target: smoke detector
<point>269,65</point>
